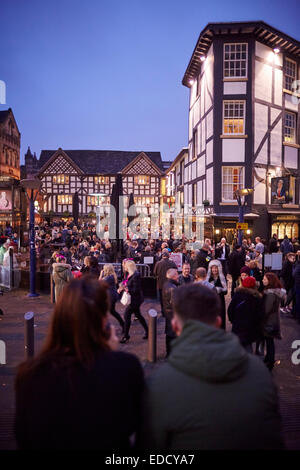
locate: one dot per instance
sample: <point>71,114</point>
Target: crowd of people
<point>219,350</point>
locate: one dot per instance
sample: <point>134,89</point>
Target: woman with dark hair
<point>273,295</point>
<point>217,279</point>
<point>79,392</point>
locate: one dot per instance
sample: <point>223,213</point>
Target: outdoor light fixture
<point>276,50</point>
<point>217,231</point>
<point>191,82</point>
<point>202,58</point>
<point>243,192</point>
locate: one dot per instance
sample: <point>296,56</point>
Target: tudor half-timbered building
<point>92,174</point>
<point>244,126</point>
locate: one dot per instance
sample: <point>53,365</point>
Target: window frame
<point>285,135</point>
<point>236,118</point>
<point>240,184</point>
<point>286,60</point>
<point>69,196</point>
<point>56,179</point>
<point>235,60</point>
<point>137,181</point>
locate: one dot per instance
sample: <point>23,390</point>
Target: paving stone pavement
<point>15,304</point>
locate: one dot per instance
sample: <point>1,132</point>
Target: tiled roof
<point>101,161</point>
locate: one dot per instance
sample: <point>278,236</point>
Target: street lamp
<point>239,193</point>
<point>32,188</point>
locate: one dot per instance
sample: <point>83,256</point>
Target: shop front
<point>226,227</point>
<point>285,224</point>
<point>10,203</point>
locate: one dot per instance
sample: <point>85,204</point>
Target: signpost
<point>241,226</point>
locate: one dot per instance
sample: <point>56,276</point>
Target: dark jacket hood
<point>208,353</point>
<point>247,290</point>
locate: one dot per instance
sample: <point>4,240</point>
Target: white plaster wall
<point>197,111</point>
<point>210,184</point>
<point>209,152</point>
<point>233,150</point>
<point>201,165</point>
<point>186,174</point>
<point>290,157</point>
<point>194,170</point>
<point>261,126</point>
<point>278,87</point>
<point>190,194</point>
<point>193,92</point>
<point>289,103</point>
<point>186,194</point>
<point>202,98</point>
<point>209,125</point>
<point>263,81</point>
<point>235,88</point>
<point>208,73</point>
<point>276,145</point>
<point>259,188</point>
<point>267,53</point>
<point>274,114</point>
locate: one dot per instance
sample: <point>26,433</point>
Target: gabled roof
<point>4,116</point>
<point>263,32</point>
<point>101,161</point>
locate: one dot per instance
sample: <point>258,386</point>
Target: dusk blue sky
<point>107,75</point>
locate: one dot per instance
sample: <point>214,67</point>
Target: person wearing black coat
<point>273,244</point>
<point>134,287</point>
<point>160,271</point>
<point>79,392</point>
<point>245,312</point>
<point>169,286</point>
<point>109,276</point>
<point>296,276</point>
<point>236,261</point>
<point>288,281</point>
<point>203,257</point>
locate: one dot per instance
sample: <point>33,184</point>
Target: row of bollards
<point>29,335</point>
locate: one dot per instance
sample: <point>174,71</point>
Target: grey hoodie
<point>211,394</point>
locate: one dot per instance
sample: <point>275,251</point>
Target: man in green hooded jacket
<point>210,394</point>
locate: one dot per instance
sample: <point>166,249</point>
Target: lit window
<point>232,179</point>
<point>101,179</point>
<point>61,179</point>
<point>141,179</point>
<point>290,128</point>
<point>235,60</point>
<point>290,73</point>
<point>234,117</point>
<point>64,199</point>
<point>143,201</point>
<point>93,200</point>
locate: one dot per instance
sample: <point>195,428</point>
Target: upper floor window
<point>64,199</point>
<point>142,179</point>
<point>101,179</point>
<point>290,73</point>
<point>232,179</point>
<point>234,117</point>
<point>61,179</point>
<point>290,128</point>
<point>235,60</point>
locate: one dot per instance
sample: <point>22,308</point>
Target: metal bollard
<point>152,335</point>
<point>52,290</point>
<point>29,334</point>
